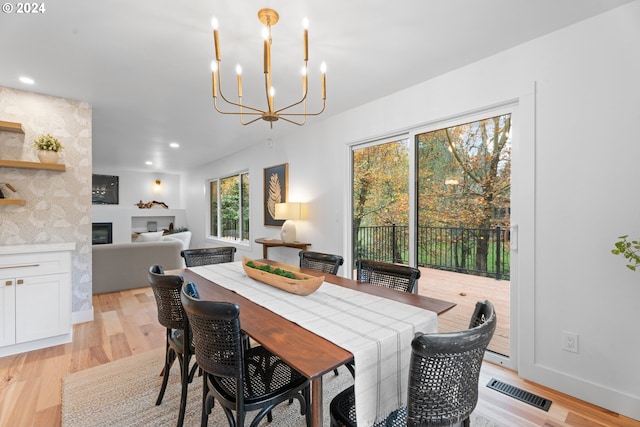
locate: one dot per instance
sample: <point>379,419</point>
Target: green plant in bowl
<point>277,270</point>
<point>47,143</point>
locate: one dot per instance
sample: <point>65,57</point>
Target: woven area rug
<point>123,393</point>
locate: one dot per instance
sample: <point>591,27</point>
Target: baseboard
<point>596,394</point>
<point>82,316</point>
<point>35,345</point>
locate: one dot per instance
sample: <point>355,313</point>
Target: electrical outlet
<point>570,342</point>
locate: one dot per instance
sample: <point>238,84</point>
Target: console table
<point>269,243</point>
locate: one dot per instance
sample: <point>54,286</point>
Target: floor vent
<point>517,393</point>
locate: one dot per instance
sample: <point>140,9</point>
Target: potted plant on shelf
<point>630,249</point>
<point>48,148</point>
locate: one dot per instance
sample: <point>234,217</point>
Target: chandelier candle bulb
<point>272,92</point>
<point>304,82</point>
<point>323,68</point>
<point>269,60</point>
<point>305,24</point>
<point>214,84</point>
<point>239,72</point>
<point>214,24</point>
<point>266,58</point>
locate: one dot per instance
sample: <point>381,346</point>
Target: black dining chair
<point>178,343</point>
<point>240,379</point>
<point>206,256</point>
<point>443,377</point>
<point>327,263</point>
<point>394,276</point>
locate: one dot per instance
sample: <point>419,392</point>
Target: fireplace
<point>102,233</point>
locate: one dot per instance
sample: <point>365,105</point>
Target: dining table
<point>309,353</point>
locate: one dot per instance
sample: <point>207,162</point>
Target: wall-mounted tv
<point>104,190</point>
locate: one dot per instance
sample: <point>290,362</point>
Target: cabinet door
<point>8,315</point>
<point>43,307</point>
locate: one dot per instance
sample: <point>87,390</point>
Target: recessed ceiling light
<point>148,163</point>
<point>27,80</point>
<point>174,145</point>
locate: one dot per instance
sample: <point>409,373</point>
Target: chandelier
<point>269,18</point>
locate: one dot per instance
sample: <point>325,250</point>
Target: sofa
<point>121,266</point>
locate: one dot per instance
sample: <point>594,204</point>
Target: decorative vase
<point>48,156</point>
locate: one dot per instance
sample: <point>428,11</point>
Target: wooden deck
<point>465,290</point>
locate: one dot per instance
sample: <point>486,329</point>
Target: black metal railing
<point>230,230</point>
<point>483,252</point>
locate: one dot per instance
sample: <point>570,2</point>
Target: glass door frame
<point>507,108</point>
<point>512,107</point>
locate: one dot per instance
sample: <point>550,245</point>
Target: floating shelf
<point>31,165</point>
<point>11,127</point>
<point>19,164</point>
<point>18,202</point>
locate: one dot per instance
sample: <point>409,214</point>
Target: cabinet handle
<point>8,283</point>
<point>19,266</point>
<point>20,281</point>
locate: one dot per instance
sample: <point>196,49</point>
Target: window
<point>229,207</point>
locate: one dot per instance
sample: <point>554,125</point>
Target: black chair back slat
<point>394,276</point>
<point>207,256</point>
<point>327,263</point>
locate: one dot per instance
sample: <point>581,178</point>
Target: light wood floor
<point>125,324</point>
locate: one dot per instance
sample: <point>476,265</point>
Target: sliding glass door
<point>439,198</point>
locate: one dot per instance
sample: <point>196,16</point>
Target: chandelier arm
<point>304,110</point>
<point>292,105</point>
<point>292,121</point>
<point>257,111</point>
<point>305,114</point>
<point>304,96</point>
<point>215,104</point>
<point>249,122</point>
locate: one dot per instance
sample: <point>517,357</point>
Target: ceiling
<point>143,65</point>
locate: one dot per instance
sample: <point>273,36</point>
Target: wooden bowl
<point>303,284</point>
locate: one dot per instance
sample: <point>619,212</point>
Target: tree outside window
<point>229,207</point>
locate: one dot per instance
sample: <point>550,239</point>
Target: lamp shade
<point>288,211</point>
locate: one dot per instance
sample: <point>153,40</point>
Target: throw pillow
<point>150,237</point>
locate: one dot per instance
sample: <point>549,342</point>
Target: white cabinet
<point>35,296</point>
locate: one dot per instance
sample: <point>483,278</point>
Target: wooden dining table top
<point>310,354</point>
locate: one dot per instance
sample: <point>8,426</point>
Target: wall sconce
<point>288,212</point>
<point>157,187</point>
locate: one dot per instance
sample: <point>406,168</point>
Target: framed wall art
<point>276,185</point>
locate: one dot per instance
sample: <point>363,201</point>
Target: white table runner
<point>377,331</point>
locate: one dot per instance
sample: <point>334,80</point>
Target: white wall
<point>575,176</point>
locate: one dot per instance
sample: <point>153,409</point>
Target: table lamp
<point>288,212</point>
